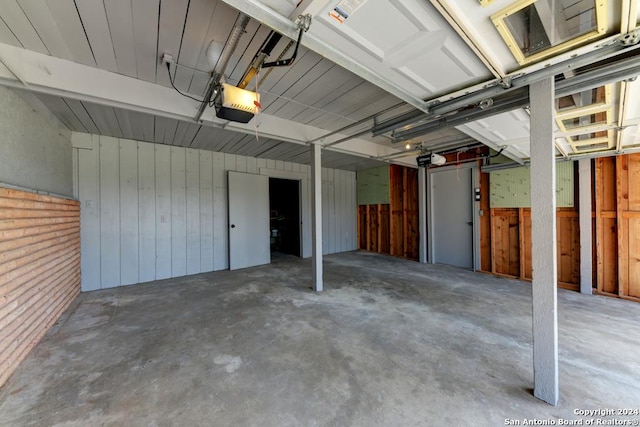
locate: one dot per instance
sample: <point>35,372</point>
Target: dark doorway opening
<point>284,207</point>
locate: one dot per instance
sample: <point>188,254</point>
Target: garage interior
<point>318,212</point>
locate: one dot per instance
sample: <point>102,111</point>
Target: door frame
<point>299,181</point>
<point>475,210</point>
<point>303,190</point>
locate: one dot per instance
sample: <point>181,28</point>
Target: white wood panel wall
<point>153,211</point>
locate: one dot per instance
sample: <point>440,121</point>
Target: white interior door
<point>248,220</point>
<point>452,222</point>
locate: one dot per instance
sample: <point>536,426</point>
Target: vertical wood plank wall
<point>485,223</point>
<point>616,230</point>
<point>505,240</point>
<point>511,244</point>
<point>393,228</point>
<point>39,269</point>
<point>617,218</point>
<point>153,211</point>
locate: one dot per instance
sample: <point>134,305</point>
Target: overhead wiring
<point>171,79</point>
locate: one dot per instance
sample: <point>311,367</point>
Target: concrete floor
<point>389,343</point>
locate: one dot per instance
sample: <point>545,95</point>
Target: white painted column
<point>543,237</point>
<point>316,215</point>
<point>584,207</point>
<point>429,217</point>
<point>422,213</point>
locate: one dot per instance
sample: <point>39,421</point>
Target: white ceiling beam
<point>39,73</point>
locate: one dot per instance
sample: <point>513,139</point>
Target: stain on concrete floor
<point>389,342</point>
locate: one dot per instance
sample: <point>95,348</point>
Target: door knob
<point>470,223</point>
<point>233,226</point>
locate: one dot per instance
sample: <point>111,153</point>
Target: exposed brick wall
<point>39,269</point>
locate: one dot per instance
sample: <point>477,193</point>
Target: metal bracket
<point>505,82</point>
<point>485,104</point>
<point>631,38</point>
<point>303,22</point>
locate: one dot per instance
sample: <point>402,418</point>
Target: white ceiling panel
<point>250,43</point>
<point>173,15</point>
<point>630,135</point>
<point>145,35</point>
<point>7,36</point>
<point>14,17</point>
<point>81,113</point>
<point>65,15</point>
<point>124,120</point>
<point>509,130</point>
<point>63,112</point>
<point>199,16</point>
<point>405,41</point>
<point>45,26</point>
<point>120,18</point>
<point>94,20</point>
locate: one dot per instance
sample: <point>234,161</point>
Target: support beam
<point>422,213</point>
<point>430,226</point>
<point>586,242</point>
<point>39,73</point>
<point>316,215</point>
<point>543,238</point>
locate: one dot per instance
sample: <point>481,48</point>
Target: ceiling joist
<point>45,74</point>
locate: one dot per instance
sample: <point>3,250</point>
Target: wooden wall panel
<point>146,212</point>
<point>129,233</point>
<point>627,177</point>
<point>608,259</point>
<point>152,211</point>
<point>206,210</point>
<point>109,211</point>
<point>362,227</point>
<point>396,234</point>
<point>568,238</point>
<point>220,219</point>
<point>506,247</point>
<point>606,226</point>
<point>384,224</point>
<point>178,169</point>
<point>511,253</point>
<point>393,228</point>
<point>396,208</point>
<point>485,224</point>
<point>162,212</point>
<point>39,269</point>
<point>633,284</point>
<point>193,191</point>
<point>411,225</point>
<point>373,229</point>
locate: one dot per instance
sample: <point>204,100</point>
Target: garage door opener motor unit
<point>236,104</point>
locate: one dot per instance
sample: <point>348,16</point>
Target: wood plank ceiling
<point>423,48</point>
<point>129,37</point>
